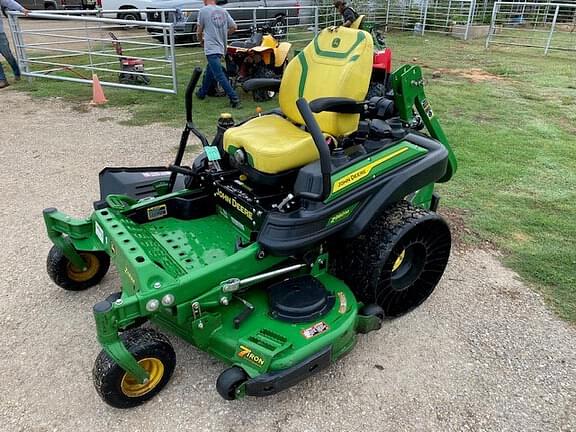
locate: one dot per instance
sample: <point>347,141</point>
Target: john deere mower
<point>293,232</point>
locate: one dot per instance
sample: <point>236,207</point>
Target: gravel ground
<point>483,353</point>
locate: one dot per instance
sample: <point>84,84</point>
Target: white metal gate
<point>73,47</point>
<point>549,26</point>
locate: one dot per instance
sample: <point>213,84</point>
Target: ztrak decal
<point>157,212</point>
<point>315,330</point>
<point>359,174</point>
<point>341,215</point>
<point>248,354</point>
<point>235,204</point>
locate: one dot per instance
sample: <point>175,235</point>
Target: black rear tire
<point>398,260</point>
<point>279,27</point>
<point>151,349</point>
<point>229,381</point>
<point>376,89</point>
<point>263,95</point>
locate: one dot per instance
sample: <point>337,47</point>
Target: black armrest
<point>338,105</point>
<point>272,84</point>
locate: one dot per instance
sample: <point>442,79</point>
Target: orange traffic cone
<point>98,97</point>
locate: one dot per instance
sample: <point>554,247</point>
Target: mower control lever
<point>189,128</point>
<point>323,150</point>
<point>190,93</point>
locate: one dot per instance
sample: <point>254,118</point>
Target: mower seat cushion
<point>272,144</point>
<point>337,63</point>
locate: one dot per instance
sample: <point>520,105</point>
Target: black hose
<point>323,150</point>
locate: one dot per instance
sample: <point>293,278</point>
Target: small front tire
<point>154,353</point>
<point>67,276</point>
<point>229,381</point>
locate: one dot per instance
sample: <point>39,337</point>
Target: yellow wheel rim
<point>132,388</point>
<point>85,274</point>
<point>399,261</point>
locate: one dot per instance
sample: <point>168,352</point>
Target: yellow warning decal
<point>359,174</point>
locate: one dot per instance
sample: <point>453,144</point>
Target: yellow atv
<point>260,56</point>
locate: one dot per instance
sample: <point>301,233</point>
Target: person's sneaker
<point>200,97</point>
<point>3,83</point>
<point>17,78</point>
<point>235,103</point>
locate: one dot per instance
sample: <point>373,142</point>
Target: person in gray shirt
<point>5,47</point>
<point>213,27</point>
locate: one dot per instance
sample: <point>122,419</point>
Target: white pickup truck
<point>125,5</point>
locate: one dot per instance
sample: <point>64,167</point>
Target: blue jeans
<point>214,72</point>
<point>5,51</point>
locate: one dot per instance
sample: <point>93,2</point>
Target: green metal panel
<point>408,85</point>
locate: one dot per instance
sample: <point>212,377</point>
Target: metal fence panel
<point>418,16</point>
<point>548,26</point>
<point>73,47</point>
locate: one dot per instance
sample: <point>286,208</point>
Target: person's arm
<point>200,27</point>
<point>13,5</point>
<point>200,33</point>
<point>348,16</point>
<point>232,27</point>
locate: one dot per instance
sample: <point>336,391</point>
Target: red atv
<point>261,56</point>
<point>381,72</point>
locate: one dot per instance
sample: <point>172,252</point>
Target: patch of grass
<point>514,139</point>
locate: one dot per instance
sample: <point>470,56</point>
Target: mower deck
<point>262,343</point>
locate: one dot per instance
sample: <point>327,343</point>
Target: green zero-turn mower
<point>291,233</point>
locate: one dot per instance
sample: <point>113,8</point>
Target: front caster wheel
<point>154,353</point>
<point>67,276</point>
<point>230,381</point>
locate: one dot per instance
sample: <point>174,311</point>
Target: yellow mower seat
<point>273,144</point>
<point>358,22</point>
<point>337,63</point>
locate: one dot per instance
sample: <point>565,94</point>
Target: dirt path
<point>482,354</point>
